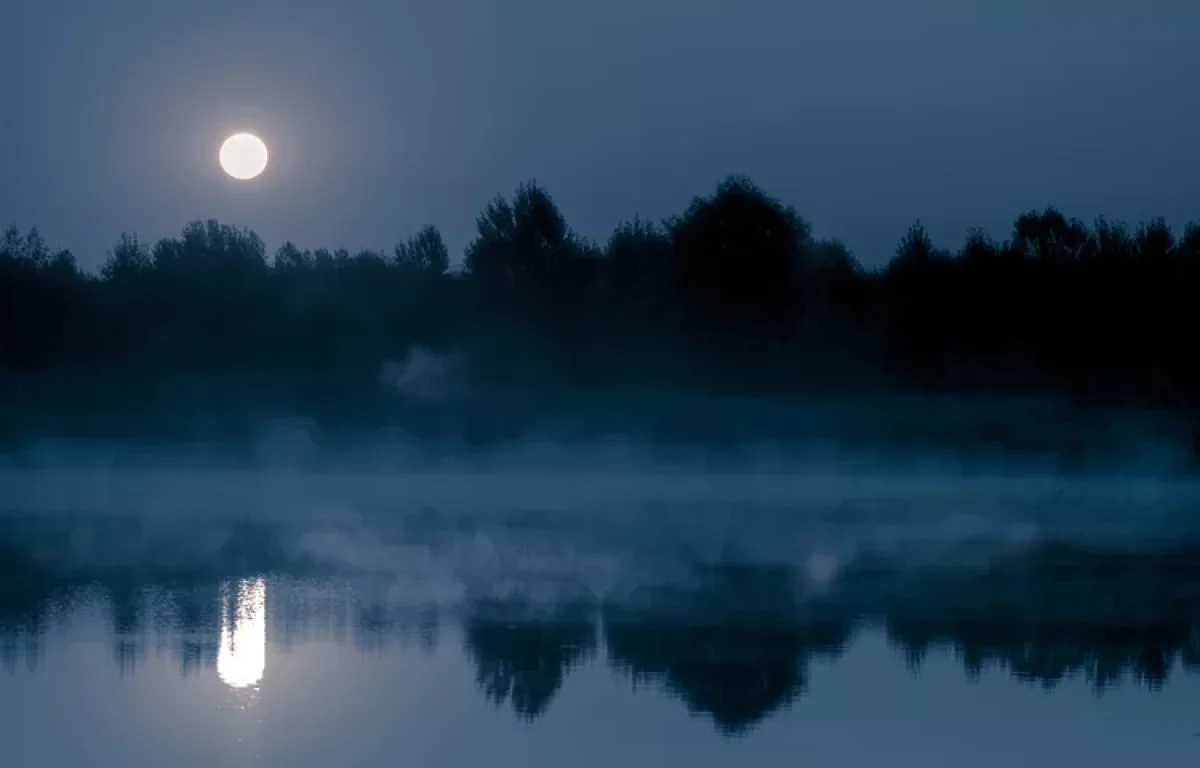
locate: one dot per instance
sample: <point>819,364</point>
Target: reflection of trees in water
<point>17,647</point>
<point>369,615</point>
<point>380,626</point>
<point>736,643</point>
<point>523,655</point>
<point>733,644</point>
<point>125,601</point>
<point>183,617</point>
<point>734,647</point>
<point>27,598</point>
<point>1056,613</point>
<point>1049,652</point>
<point>194,612</point>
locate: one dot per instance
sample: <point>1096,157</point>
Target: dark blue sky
<point>385,115</point>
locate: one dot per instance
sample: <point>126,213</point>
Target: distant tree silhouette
<point>531,276</point>
<point>736,259</point>
<point>915,249</point>
<point>734,293</point>
<point>523,243</point>
<point>1049,235</point>
<point>424,253</point>
<point>638,257</point>
<point>43,303</point>
<point>1189,247</point>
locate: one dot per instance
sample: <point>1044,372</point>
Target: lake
<point>538,611</point>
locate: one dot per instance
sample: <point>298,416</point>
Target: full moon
<point>243,156</point>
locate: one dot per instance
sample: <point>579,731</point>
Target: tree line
<point>733,294</point>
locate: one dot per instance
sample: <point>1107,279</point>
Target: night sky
<point>385,115</point>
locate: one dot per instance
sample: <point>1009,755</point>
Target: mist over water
<point>737,579</point>
<point>468,492</point>
<point>372,504</point>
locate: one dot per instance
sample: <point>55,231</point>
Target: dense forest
<point>735,295</point>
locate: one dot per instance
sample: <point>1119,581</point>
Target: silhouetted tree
<point>424,253</point>
<point>531,277</point>
<point>128,261</point>
<point>1189,246</point>
<point>733,294</point>
<point>1155,242</point>
<point>736,259</point>
<point>525,244</point>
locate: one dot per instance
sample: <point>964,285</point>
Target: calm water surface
<point>460,618</point>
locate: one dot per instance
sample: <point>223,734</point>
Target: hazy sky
<point>385,115</point>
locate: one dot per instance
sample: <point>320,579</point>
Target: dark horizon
<point>732,297</point>
<point>1179,230</point>
<point>385,116</point>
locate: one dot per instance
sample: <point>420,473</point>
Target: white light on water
<point>242,657</point>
